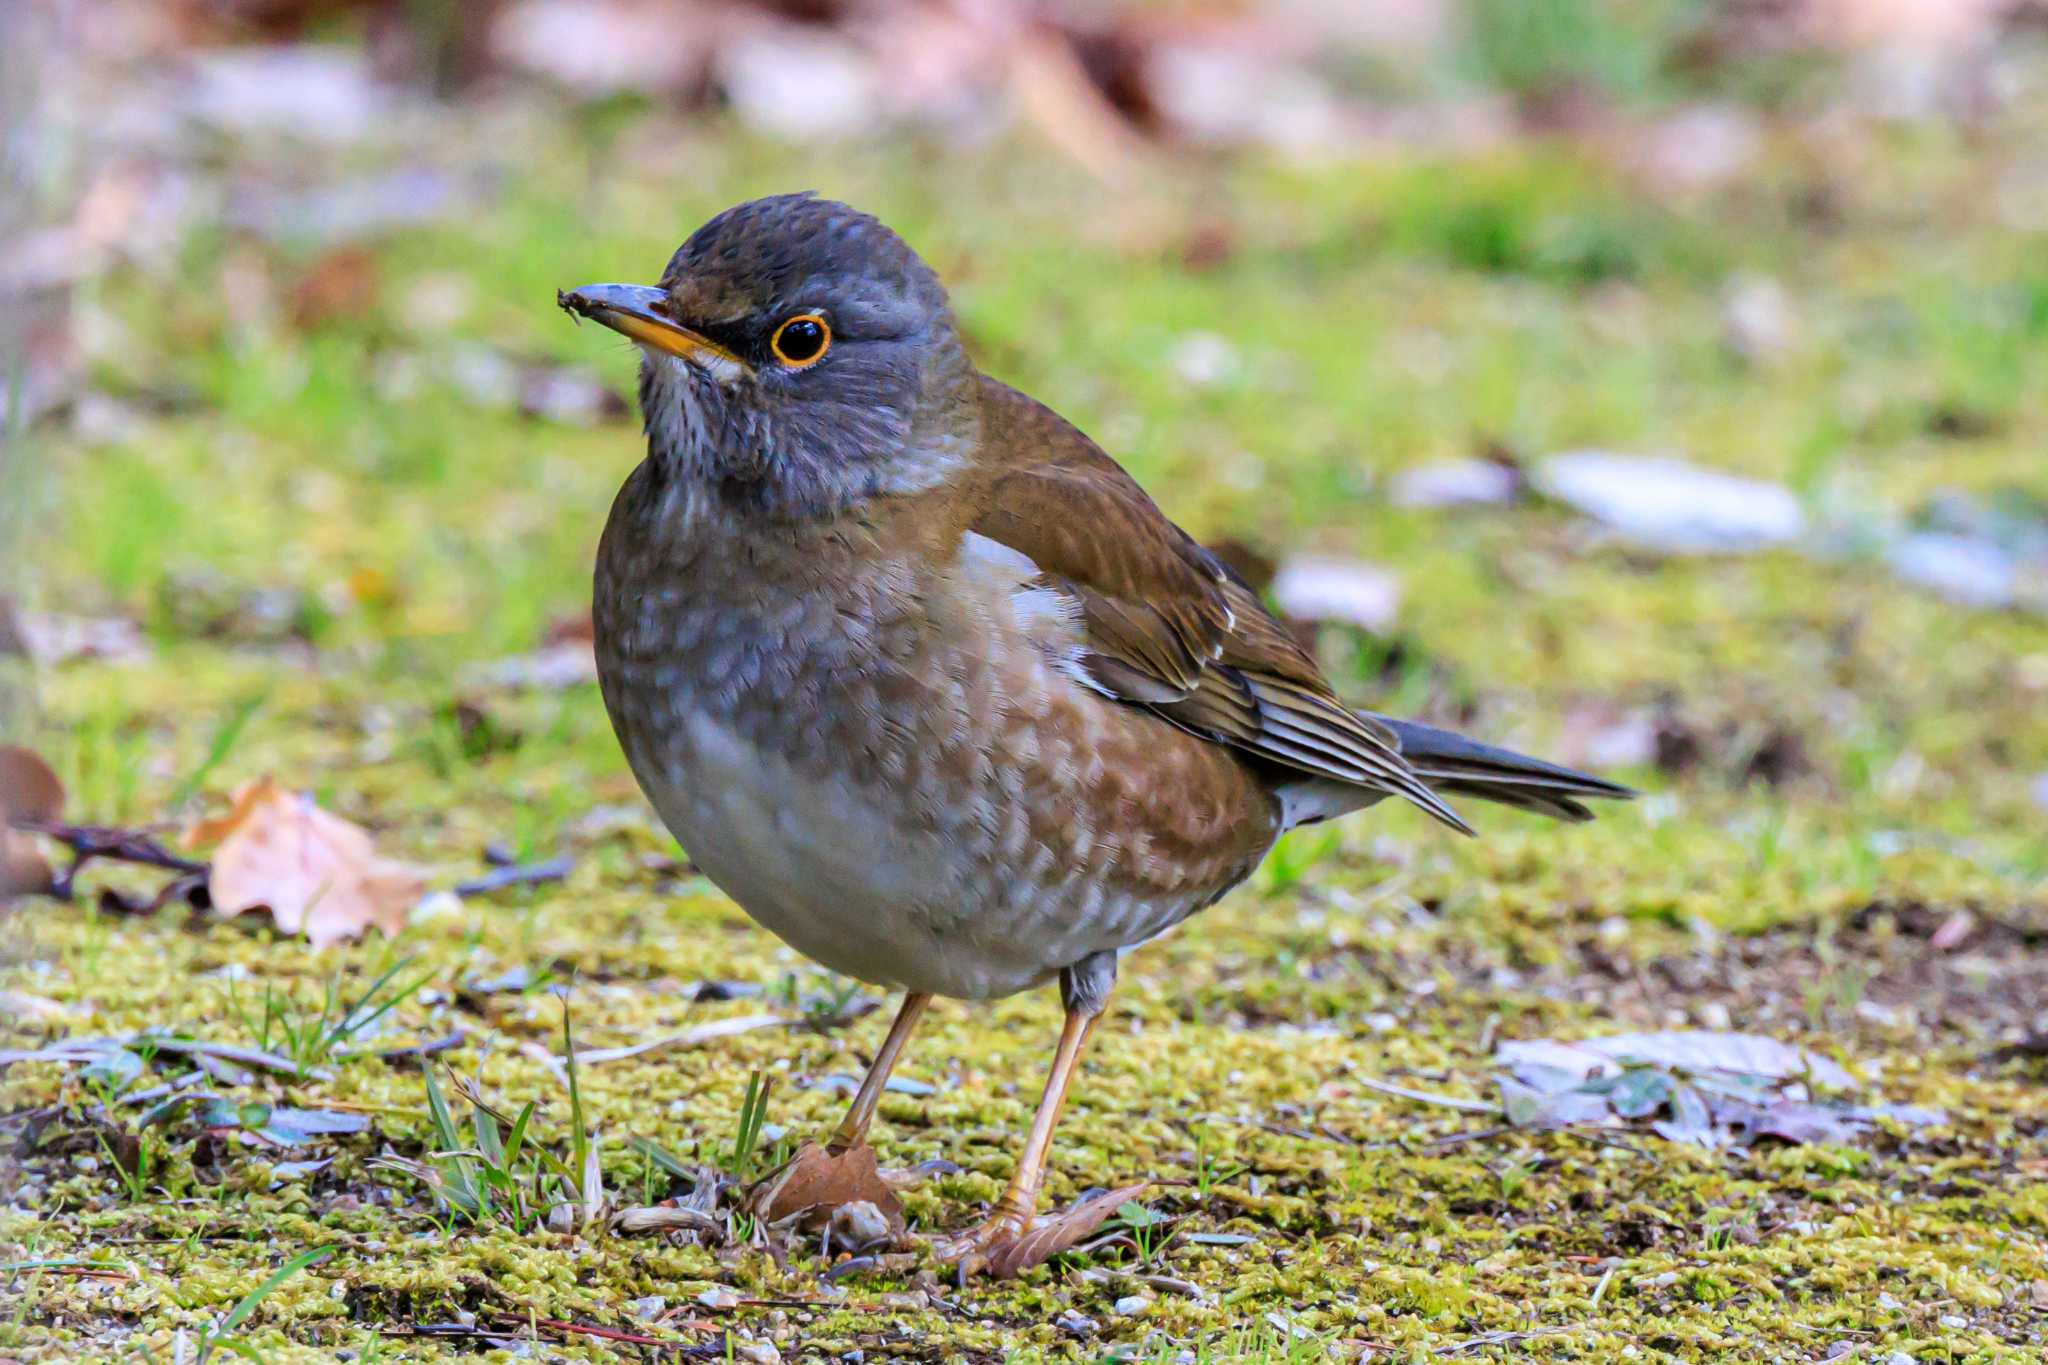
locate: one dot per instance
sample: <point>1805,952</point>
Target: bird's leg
<point>843,1171</point>
<point>853,1129</point>
<point>1084,989</point>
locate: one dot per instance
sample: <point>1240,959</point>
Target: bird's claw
<point>987,1248</point>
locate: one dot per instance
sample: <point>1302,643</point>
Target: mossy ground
<point>1379,314</point>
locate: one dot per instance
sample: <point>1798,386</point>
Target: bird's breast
<point>883,760</point>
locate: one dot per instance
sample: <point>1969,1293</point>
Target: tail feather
<point>1457,766</point>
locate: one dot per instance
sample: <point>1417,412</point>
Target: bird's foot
<point>1010,1242</point>
<point>993,1247</point>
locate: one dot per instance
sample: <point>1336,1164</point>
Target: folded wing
<point>1167,626</point>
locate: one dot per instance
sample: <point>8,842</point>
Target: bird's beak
<point>642,315</point>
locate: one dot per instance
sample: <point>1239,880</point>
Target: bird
<point>923,679</point>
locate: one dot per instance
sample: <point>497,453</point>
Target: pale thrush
<point>921,677</point>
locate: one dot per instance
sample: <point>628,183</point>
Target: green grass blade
<point>224,737</point>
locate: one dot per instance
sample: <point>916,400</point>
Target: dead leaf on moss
<point>816,1182</point>
<point>28,791</point>
<point>315,872</point>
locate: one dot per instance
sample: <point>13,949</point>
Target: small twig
<point>703,1033</point>
<point>523,874</point>
<point>1425,1097</point>
<point>1501,1338</point>
<point>425,1049</point>
<point>611,1333</point>
<point>88,1269</point>
<point>1167,1283</point>
<point>157,1092</point>
<point>1600,1139</point>
<point>1450,1140</point>
<point>87,842</point>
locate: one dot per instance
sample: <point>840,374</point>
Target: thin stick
<point>1424,1097</point>
<point>87,842</point>
<point>703,1033</point>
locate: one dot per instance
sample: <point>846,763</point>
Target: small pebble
<point>648,1308</point>
<point>757,1353</point>
<point>1887,1302</point>
<point>1074,1324</point>
<point>858,1224</point>
<point>719,1298</point>
<point>1132,1304</point>
<point>1898,1358</point>
<point>1954,1322</point>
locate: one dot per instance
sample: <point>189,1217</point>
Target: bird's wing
<point>1166,625</point>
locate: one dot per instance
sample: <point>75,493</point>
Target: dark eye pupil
<point>801,340</point>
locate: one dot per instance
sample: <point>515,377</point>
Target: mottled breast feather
<point>879,743</point>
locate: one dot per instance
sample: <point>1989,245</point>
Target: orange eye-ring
<point>801,340</point>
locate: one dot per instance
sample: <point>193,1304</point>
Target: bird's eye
<point>801,340</point>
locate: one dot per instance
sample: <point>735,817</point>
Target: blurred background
<point>1661,387</point>
<point>1470,318</point>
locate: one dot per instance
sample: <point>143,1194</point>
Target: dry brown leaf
<point>1053,1233</point>
<point>340,286</point>
<point>815,1182</point>
<point>1055,93</point>
<point>28,791</point>
<point>315,872</point>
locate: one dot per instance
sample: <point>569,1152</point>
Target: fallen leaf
<point>28,791</point>
<point>551,668</point>
<point>1527,1106</point>
<point>48,640</point>
<point>1952,931</point>
<point>1053,1233</point>
<point>21,1005</point>
<point>1757,320</point>
<point>1693,1050</point>
<point>315,872</point>
<point>799,82</point>
<point>1671,506</point>
<point>1053,90</point>
<point>816,1182</point>
<point>1457,483</point>
<point>279,1126</point>
<point>602,47</point>
<point>340,286</point>
<point>323,93</point>
<point>573,397</point>
<point>1346,591</point>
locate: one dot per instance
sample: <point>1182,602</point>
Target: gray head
<point>797,359</point>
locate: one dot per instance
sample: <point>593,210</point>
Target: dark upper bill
<point>641,314</point>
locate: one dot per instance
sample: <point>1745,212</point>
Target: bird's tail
<point>1457,766</point>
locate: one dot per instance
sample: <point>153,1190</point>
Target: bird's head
<point>797,358</point>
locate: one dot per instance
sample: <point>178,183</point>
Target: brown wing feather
<point>1167,626</point>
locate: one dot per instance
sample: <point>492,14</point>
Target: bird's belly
<point>885,766</point>
<point>838,874</point>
